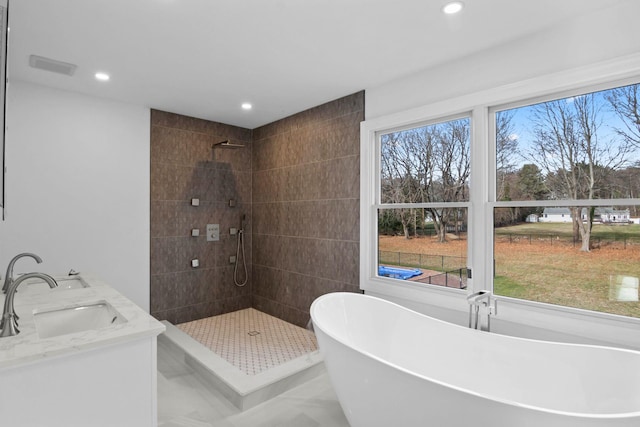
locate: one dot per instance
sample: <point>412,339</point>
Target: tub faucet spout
<point>481,299</point>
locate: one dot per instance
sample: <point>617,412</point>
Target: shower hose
<point>240,248</point>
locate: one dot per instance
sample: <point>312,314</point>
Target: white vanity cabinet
<point>96,377</point>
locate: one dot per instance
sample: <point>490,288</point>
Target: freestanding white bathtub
<point>391,366</point>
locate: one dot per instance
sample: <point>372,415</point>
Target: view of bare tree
<point>426,164</point>
<point>506,151</point>
<point>569,148</point>
<point>625,101</point>
<point>574,150</point>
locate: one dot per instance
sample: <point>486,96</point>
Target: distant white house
<point>603,215</point>
<point>613,216</point>
<point>555,215</point>
<point>533,218</point>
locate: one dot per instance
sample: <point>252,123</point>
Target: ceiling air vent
<point>52,65</point>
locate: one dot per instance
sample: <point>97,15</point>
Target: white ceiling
<point>203,58</point>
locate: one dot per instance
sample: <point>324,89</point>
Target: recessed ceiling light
<point>246,106</point>
<point>453,7</point>
<point>103,77</point>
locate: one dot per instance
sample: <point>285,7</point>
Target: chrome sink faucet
<point>8,278</point>
<point>9,324</point>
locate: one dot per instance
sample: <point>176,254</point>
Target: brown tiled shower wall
<point>296,180</point>
<point>185,166</point>
<point>306,205</point>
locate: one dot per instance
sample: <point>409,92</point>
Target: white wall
<point>610,33</point>
<point>77,187</point>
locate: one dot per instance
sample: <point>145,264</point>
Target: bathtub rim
<point>352,295</point>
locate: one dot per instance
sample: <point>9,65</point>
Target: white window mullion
<point>480,218</point>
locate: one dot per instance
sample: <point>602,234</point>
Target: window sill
<point>515,317</point>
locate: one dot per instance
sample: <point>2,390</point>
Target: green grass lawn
<point>547,269</point>
<point>544,271</point>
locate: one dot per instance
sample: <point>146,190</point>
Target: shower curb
<point>242,390</point>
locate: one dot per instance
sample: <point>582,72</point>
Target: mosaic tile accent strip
<point>250,340</point>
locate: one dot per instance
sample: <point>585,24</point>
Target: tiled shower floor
<point>251,340</point>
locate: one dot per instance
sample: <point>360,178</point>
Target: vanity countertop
<point>27,347</point>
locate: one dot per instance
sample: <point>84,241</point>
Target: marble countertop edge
<point>27,347</point>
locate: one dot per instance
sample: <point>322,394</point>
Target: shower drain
<point>253,333</point>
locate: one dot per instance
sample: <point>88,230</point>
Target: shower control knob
<point>213,232</point>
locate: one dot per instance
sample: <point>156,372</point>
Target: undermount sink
<point>63,283</point>
<point>80,318</point>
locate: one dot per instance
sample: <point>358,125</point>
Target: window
<point>578,158</point>
<point>552,230</point>
<point>422,234</point>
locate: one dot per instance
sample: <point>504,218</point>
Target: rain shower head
<point>226,144</point>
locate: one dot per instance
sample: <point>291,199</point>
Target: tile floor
<point>184,401</point>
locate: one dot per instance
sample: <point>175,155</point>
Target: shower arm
<point>226,144</point>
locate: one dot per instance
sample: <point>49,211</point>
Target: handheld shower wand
<point>240,248</point>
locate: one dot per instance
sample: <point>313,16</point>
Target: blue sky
<point>523,125</point>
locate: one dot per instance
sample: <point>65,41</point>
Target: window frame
<point>537,318</point>
<point>379,205</point>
